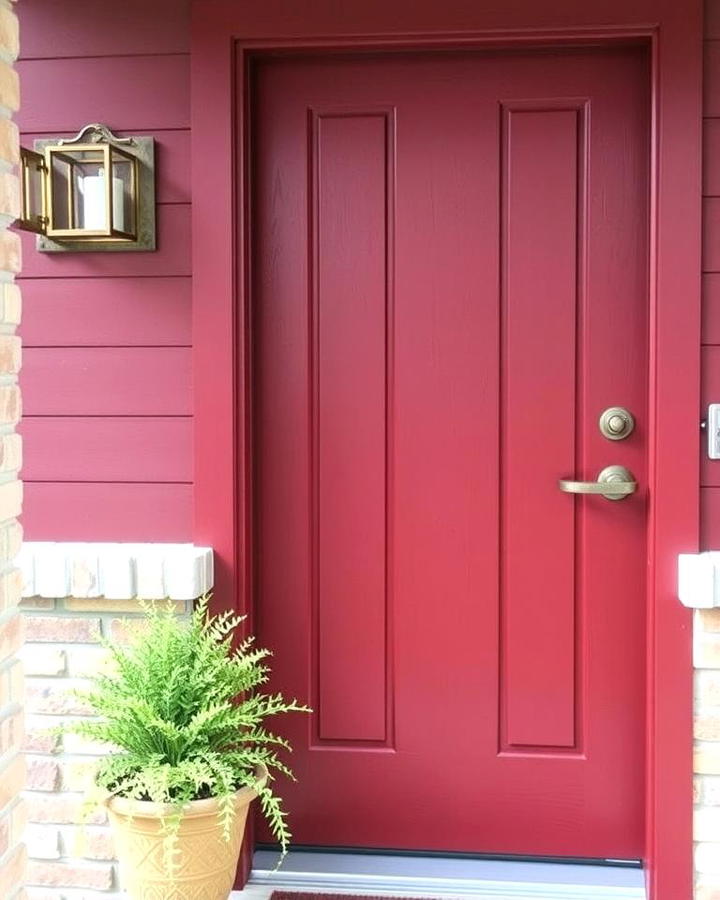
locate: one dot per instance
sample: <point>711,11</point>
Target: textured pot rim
<point>146,809</point>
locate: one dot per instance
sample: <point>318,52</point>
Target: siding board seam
<point>29,59</point>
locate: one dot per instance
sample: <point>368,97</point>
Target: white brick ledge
<point>116,571</point>
<point>699,579</point>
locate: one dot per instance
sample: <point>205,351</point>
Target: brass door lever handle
<point>613,483</point>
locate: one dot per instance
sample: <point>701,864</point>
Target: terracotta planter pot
<point>205,862</point>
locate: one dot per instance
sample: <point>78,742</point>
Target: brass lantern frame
<point>138,152</point>
<point>104,153</point>
<point>32,165</point>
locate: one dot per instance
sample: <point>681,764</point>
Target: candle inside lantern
<point>92,188</point>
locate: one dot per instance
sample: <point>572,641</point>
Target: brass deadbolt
<point>616,423</point>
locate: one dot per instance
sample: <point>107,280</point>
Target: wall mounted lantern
<point>95,191</point>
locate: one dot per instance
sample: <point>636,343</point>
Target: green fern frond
<point>182,708</point>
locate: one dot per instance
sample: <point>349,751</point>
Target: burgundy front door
<point>449,287</point>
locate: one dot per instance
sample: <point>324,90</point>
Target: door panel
<point>349,366</point>
<point>450,279</point>
<point>539,279</point>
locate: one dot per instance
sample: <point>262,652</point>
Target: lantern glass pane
<point>61,190</point>
<point>79,190</point>
<point>123,192</point>
<point>33,196</point>
<point>34,192</point>
<point>92,191</point>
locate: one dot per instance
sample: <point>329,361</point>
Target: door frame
<point>225,34</point>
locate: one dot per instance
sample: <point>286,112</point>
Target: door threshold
<point>426,876</point>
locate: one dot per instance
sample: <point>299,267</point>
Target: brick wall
<point>707,754</point>
<point>62,649</point>
<point>12,764</point>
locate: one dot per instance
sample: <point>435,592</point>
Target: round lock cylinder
<point>616,423</point>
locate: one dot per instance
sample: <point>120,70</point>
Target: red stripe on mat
<point>309,895</point>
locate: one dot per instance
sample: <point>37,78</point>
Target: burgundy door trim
<point>223,32</point>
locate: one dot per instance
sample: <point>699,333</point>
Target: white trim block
<point>116,571</point>
<point>699,579</point>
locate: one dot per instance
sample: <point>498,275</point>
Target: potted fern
<point>181,709</point>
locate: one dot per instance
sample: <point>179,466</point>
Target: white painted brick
<point>707,824</point>
<point>11,304</point>
<point>71,839</point>
<point>26,563</point>
<point>85,661</point>
<point>83,563</point>
<point>76,773</point>
<point>118,572</point>
<point>12,452</point>
<point>43,660</point>
<point>149,574</point>
<point>711,790</point>
<point>74,743</point>
<point>696,580</point>
<point>87,841</point>
<point>185,572</point>
<point>42,841</point>
<point>707,858</point>
<point>51,574</point>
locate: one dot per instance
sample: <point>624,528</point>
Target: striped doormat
<point>312,895</point>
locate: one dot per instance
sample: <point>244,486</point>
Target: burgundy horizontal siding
<point>171,258</point>
<point>712,20</point>
<point>711,149</point>
<point>58,28</point>
<point>711,234</point>
<point>711,308</point>
<point>99,449</point>
<point>710,469</point>
<point>107,512</point>
<point>106,378</point>
<point>131,95</point>
<point>710,518</point>
<point>124,312</point>
<point>107,381</point>
<point>711,102</point>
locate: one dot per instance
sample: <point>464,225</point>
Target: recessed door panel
<point>542,237</point>
<point>351,201</point>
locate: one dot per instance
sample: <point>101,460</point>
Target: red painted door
<point>449,288</point>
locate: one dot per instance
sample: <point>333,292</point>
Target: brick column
<point>73,595</point>
<point>66,849</point>
<point>707,754</point>
<point>12,763</point>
